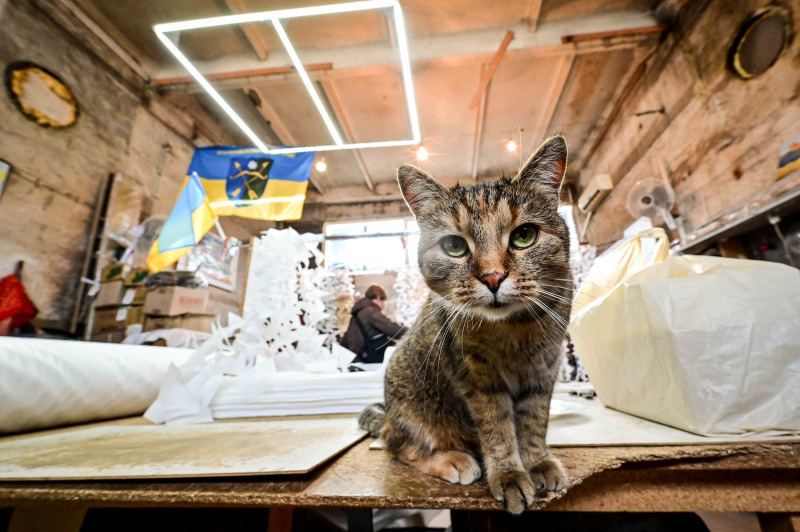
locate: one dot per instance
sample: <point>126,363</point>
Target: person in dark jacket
<point>367,318</point>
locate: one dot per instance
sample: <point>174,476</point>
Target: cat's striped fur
<point>468,390</point>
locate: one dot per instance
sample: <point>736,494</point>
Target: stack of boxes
<point>119,303</point>
<point>177,307</point>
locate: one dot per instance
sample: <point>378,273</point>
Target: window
<point>375,246</point>
<point>371,246</point>
<point>565,211</point>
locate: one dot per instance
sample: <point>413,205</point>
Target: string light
<point>422,153</point>
<point>511,146</point>
<point>321,165</point>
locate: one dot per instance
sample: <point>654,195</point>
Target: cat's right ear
<point>418,188</point>
<point>547,166</point>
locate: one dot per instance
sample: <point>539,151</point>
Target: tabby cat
<point>471,383</point>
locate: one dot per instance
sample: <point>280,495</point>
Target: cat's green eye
<point>455,246</point>
<point>524,236</point>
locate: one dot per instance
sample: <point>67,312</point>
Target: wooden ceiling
<point>564,70</point>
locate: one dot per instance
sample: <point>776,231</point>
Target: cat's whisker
<point>563,323</point>
<point>560,287</point>
<point>433,344</point>
<point>449,326</point>
<point>552,336</point>
<point>446,327</point>
<point>557,297</point>
<point>421,322</point>
<point>573,282</point>
<point>558,319</point>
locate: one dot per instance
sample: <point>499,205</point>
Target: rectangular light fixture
<point>275,18</point>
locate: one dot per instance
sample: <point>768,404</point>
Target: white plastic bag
<point>705,344</point>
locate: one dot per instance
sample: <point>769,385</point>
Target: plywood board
<point>111,451</point>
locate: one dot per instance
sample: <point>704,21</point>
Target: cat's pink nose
<point>493,280</point>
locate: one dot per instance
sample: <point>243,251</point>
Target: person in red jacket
<point>370,332</point>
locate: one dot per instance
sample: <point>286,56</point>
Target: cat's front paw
<point>549,475</point>
<point>513,487</point>
<point>453,466</point>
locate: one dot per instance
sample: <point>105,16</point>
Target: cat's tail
<point>371,419</point>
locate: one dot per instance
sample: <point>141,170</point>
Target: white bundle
<point>278,362</point>
<point>46,383</point>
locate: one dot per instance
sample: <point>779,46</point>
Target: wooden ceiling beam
<point>534,10</point>
<point>281,130</point>
<point>602,35</point>
<point>551,103</point>
<point>486,78</point>
<point>480,121</point>
<point>256,40</point>
<point>338,110</point>
<point>246,76</point>
<point>547,39</point>
<point>626,86</point>
<point>323,73</point>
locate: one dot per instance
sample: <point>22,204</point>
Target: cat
<point>471,383</point>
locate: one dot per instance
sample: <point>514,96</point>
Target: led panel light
<point>275,17</point>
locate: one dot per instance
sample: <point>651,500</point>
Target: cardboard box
<point>136,276</point>
<point>133,295</point>
<point>194,322</point>
<point>110,294</point>
<point>113,272</point>
<point>109,319</point>
<point>114,337</point>
<point>176,300</point>
<point>135,316</point>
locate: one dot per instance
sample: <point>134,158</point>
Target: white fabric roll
<point>46,383</point>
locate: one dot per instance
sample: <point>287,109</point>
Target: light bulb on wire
<point>511,145</point>
<point>422,153</point>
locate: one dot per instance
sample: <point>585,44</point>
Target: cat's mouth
<point>495,309</point>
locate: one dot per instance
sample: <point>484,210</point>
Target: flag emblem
<point>247,179</point>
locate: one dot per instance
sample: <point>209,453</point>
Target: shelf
<point>753,216</point>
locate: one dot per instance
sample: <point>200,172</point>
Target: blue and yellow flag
<point>190,219</point>
<point>249,183</point>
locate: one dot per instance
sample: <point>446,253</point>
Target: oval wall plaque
<point>40,95</point>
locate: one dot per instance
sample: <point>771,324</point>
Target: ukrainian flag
<point>247,182</point>
<point>190,219</point>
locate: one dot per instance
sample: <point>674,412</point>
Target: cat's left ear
<point>547,166</point>
<point>419,189</point>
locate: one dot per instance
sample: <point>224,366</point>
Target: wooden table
<point>763,478</point>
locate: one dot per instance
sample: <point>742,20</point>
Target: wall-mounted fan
<point>652,198</point>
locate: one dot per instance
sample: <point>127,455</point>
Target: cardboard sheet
<point>124,451</point>
<point>578,422</point>
<point>596,425</point>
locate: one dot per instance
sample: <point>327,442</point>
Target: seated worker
<point>370,332</point>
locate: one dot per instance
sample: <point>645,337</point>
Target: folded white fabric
<point>46,383</point>
<point>189,395</point>
<point>297,393</point>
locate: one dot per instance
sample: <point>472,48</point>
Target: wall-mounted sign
<point>5,168</point>
<point>40,95</point>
